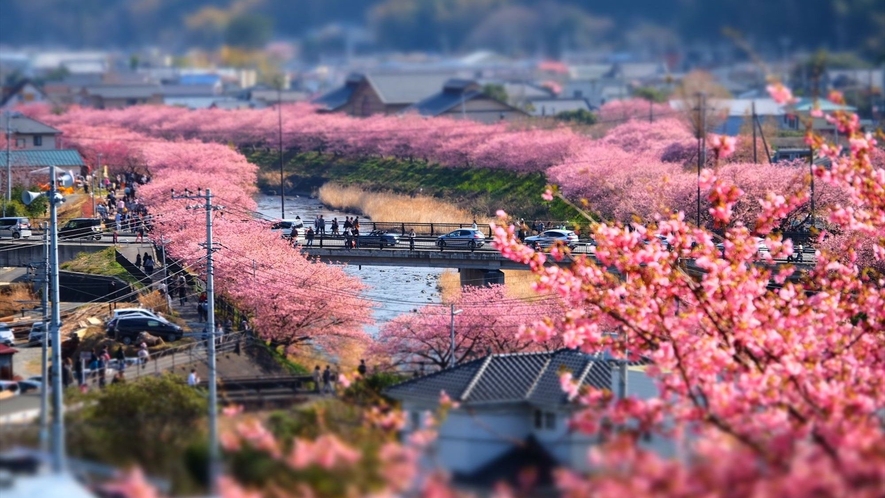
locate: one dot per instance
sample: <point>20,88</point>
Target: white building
<point>513,413</point>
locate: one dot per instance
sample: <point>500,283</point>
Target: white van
<point>15,228</point>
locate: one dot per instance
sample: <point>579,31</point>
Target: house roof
<point>391,88</point>
<point>552,107</point>
<point>11,92</point>
<point>806,105</point>
<point>454,93</point>
<point>124,91</point>
<point>40,158</point>
<point>531,378</point>
<point>19,123</point>
<point>4,349</point>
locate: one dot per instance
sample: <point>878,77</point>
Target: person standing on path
<point>193,380</point>
<point>149,264</point>
<point>316,379</point>
<point>309,236</point>
<point>322,226</point>
<point>143,355</point>
<point>362,368</point>
<point>412,239</point>
<point>138,260</point>
<point>327,381</point>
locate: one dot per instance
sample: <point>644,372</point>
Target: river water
<point>392,290</point>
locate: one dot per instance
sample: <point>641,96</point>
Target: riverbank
<point>479,192</point>
<point>389,206</point>
<point>517,285</point>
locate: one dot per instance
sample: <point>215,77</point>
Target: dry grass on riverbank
<point>517,284</point>
<point>386,206</point>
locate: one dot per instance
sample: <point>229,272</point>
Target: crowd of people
<point>121,208</point>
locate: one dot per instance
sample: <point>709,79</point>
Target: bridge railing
<point>436,229</point>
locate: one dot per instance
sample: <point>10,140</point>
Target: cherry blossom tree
<point>490,322</point>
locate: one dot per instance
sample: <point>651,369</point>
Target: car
<point>126,329</point>
<point>81,228</point>
<point>378,238</point>
<point>10,385</point>
<point>26,386</point>
<point>15,228</point>
<point>284,227</point>
<point>6,336</point>
<point>135,312</point>
<point>36,334</point>
<point>471,238</point>
<point>549,237</point>
<point>761,246</point>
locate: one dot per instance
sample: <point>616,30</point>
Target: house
<point>23,162</point>
<point>27,133</point>
<point>513,410</point>
<point>25,92</point>
<point>192,96</point>
<point>366,94</point>
<point>552,107</point>
<point>596,91</point>
<point>465,99</point>
<point>6,370</point>
<point>119,96</point>
<point>801,110</point>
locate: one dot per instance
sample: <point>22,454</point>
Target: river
<point>392,290</point>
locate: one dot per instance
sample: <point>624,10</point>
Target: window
<point>549,420</point>
<point>415,420</point>
<point>20,142</point>
<point>544,420</point>
<point>153,323</point>
<point>38,140</point>
<point>539,419</point>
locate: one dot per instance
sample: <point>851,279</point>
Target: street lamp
<point>452,357</point>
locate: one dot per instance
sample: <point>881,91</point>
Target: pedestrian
<point>474,223</point>
<point>219,332</point>
<point>112,293</point>
<point>193,379</point>
<point>294,236</point>
<point>316,379</point>
<point>139,233</point>
<point>182,294</point>
<point>801,251</point>
<point>115,236</point>
<point>347,223</point>
<point>348,239</point>
<point>138,260</point>
<point>362,368</point>
<point>412,239</point>
<point>244,325</point>
<point>327,381</point>
<point>149,264</point>
<point>143,355</point>
<point>67,373</point>
<point>335,226</point>
<point>309,236</point>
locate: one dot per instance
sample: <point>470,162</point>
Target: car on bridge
<point>81,228</point>
<point>284,227</point>
<point>550,237</point>
<point>15,228</point>
<point>127,329</point>
<point>470,238</point>
<point>378,238</point>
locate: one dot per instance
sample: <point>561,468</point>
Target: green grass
<point>484,190</point>
<point>100,263</point>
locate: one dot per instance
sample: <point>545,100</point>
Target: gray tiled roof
<point>41,158</point>
<point>404,88</point>
<point>18,123</point>
<point>336,98</point>
<point>531,378</point>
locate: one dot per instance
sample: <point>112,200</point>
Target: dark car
<point>80,228</point>
<point>126,329</point>
<point>377,238</point>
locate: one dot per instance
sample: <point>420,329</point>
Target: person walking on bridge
<point>412,239</point>
<point>321,226</point>
<point>317,376</point>
<point>309,236</point>
<point>327,381</point>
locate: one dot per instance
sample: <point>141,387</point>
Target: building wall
<point>27,141</point>
<point>483,110</point>
<point>468,440</point>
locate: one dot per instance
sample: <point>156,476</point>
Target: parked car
<point>36,334</point>
<point>132,312</point>
<point>6,336</point>
<point>26,386</point>
<point>9,385</point>
<point>284,227</point>
<point>126,329</point>
<point>378,238</point>
<point>464,237</point>
<point>81,228</point>
<point>15,228</point>
<point>550,237</point>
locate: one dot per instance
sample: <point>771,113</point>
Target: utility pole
<point>702,146</point>
<point>452,357</point>
<point>811,171</point>
<point>98,168</point>
<point>9,165</point>
<point>280,128</point>
<point>44,301</point>
<point>214,454</point>
<point>651,111</point>
<point>58,421</point>
<point>753,107</point>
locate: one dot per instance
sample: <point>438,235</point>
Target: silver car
<point>6,336</point>
<point>549,237</point>
<point>470,238</point>
<point>15,228</point>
